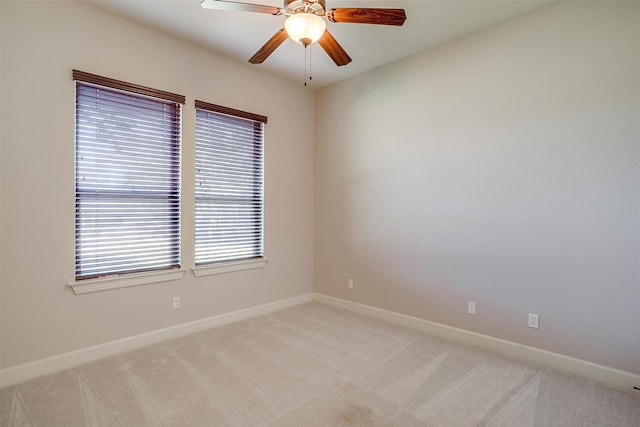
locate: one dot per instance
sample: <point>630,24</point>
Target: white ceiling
<point>238,35</point>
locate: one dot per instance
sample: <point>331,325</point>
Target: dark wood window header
<point>230,111</point>
<point>129,87</point>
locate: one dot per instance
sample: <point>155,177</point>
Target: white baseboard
<point>612,377</point>
<point>20,373</point>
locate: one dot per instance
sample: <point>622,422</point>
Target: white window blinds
<point>229,184</point>
<point>127,177</point>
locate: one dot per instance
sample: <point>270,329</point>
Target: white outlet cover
<point>471,307</point>
<point>534,321</point>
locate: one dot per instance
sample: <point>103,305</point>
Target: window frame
<point>207,267</point>
<point>119,278</point>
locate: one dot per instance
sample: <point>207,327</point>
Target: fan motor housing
<point>317,7</point>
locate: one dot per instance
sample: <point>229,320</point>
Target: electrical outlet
<point>471,307</point>
<point>350,283</point>
<point>533,320</point>
<point>176,302</point>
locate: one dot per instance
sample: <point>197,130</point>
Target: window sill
<point>124,281</point>
<point>227,267</point>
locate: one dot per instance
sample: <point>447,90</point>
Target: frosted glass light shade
<point>305,28</point>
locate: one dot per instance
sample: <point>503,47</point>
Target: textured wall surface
<point>500,168</point>
<point>41,43</point>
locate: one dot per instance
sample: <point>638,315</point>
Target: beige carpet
<point>313,365</point>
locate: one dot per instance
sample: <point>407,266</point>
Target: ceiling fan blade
<point>242,7</point>
<point>368,16</point>
<point>333,49</point>
<point>268,48</point>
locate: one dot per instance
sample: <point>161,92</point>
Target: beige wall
<point>501,168</point>
<point>41,43</point>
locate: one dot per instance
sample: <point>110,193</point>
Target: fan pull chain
<point>305,66</point>
<point>310,67</point>
<point>307,54</point>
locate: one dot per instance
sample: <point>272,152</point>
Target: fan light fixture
<point>305,28</point>
<point>305,23</point>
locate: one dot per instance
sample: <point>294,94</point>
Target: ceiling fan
<point>305,23</point>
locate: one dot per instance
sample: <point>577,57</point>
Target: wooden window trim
<point>128,87</point>
<point>230,111</point>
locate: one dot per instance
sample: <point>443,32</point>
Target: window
<point>229,185</point>
<point>127,180</point>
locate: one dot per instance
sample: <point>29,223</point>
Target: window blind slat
<point>229,186</point>
<point>127,181</point>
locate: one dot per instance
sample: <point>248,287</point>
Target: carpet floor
<point>313,365</point>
